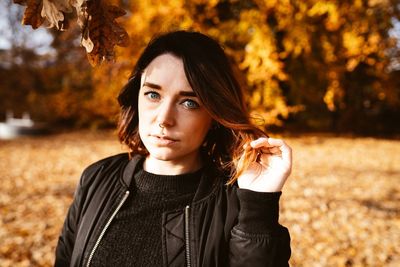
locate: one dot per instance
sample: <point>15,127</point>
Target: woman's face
<point>172,121</point>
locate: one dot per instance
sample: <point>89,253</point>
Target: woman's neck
<point>172,167</point>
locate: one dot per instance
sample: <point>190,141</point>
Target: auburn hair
<point>211,77</point>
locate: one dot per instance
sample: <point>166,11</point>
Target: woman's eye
<point>152,95</point>
<point>190,104</point>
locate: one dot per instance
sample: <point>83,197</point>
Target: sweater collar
<point>156,183</point>
<point>209,181</point>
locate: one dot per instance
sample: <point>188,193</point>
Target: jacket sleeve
<point>67,236</point>
<point>258,239</point>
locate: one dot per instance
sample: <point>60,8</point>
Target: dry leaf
<point>103,32</point>
<point>342,208</point>
<point>32,15</point>
<point>100,31</point>
<point>86,42</point>
<point>52,14</point>
<point>54,11</point>
<point>80,8</point>
<point>63,5</point>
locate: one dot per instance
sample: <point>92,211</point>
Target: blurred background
<point>324,75</point>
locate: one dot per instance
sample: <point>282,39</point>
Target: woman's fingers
<point>266,142</point>
<point>275,160</point>
<point>269,145</point>
<point>270,150</point>
<point>260,142</point>
<point>273,146</point>
<point>286,153</point>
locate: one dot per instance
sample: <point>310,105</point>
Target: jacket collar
<point>211,178</point>
<point>129,170</point>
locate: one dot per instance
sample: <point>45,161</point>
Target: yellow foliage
<point>333,95</point>
<point>274,43</point>
<point>333,21</point>
<point>347,34</point>
<point>384,3</point>
<point>353,43</point>
<point>297,41</point>
<point>329,50</point>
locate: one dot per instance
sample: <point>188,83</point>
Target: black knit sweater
<point>134,236</point>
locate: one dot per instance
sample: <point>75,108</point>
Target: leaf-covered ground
<point>341,204</point>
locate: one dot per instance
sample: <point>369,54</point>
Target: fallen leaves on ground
<point>341,203</point>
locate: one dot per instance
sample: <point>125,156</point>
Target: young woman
<point>201,184</point>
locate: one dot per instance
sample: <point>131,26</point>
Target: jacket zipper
<point>187,239</point>
<point>105,227</point>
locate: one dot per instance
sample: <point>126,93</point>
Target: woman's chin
<point>162,155</point>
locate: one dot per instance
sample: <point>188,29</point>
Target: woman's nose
<point>166,114</point>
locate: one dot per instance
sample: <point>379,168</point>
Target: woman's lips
<point>163,140</point>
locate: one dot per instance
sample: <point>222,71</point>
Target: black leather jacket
<point>209,232</point>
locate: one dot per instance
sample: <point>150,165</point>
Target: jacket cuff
<point>259,211</point>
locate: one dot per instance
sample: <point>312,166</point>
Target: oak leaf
<point>32,14</point>
<point>101,32</point>
<point>53,11</point>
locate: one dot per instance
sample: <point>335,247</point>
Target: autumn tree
<point>20,62</point>
<point>50,80</point>
<point>324,63</point>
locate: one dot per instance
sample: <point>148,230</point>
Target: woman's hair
<point>211,77</point>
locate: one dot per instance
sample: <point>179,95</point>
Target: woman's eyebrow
<point>152,85</point>
<point>158,87</point>
<point>187,93</point>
